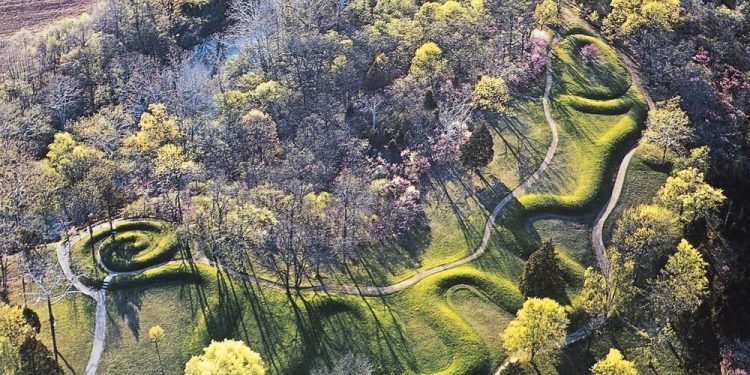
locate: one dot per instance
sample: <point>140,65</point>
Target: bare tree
<point>62,97</point>
<point>49,283</point>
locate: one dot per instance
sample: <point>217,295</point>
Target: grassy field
<point>447,323</point>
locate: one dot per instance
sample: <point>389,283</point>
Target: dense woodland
<point>297,136</point>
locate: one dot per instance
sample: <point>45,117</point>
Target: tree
<point>668,127</point>
<point>605,295</point>
<point>155,129</point>
<point>687,194</point>
<point>542,276</point>
<point>428,60</point>
<point>538,331</point>
<point>226,357</point>
<point>631,16</point>
<point>645,234</point>
<point>614,364</point>
<point>155,335</point>
<point>50,284</point>
<point>32,356</point>
<point>9,357</point>
<point>681,284</point>
<point>478,150</point>
<point>491,93</point>
<point>350,364</point>
<point>172,171</point>
<point>547,13</point>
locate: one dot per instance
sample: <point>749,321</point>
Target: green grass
<point>136,244</point>
<point>642,181</point>
<point>599,115</point>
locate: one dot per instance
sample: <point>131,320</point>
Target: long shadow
<point>128,304</point>
<point>67,364</point>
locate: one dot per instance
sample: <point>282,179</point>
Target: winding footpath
<point>100,325</point>
<point>597,240</point>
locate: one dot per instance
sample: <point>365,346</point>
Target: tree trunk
<point>536,369</point>
<point>52,328</point>
<point>91,240</point>
<point>158,354</point>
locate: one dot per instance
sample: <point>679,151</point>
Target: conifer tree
<point>478,150</point>
<point>542,276</point>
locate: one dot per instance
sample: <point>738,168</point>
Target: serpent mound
<point>136,245</point>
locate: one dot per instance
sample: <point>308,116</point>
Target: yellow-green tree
<point>491,93</point>
<point>155,128</point>
<point>681,284</point>
<point>8,357</point>
<point>668,127</point>
<point>630,16</point>
<point>645,233</point>
<point>428,60</point>
<point>69,160</point>
<point>538,331</point>
<point>614,364</point>
<point>690,196</point>
<point>547,13</point>
<point>226,357</point>
<point>604,296</point>
<point>155,335</point>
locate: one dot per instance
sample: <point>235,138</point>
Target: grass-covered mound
<point>138,244</point>
<point>599,114</point>
<point>422,330</point>
<point>133,245</point>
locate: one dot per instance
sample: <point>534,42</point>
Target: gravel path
<point>100,325</point>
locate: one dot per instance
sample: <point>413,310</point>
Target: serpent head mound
<point>137,245</point>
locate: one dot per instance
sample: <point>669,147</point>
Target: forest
<point>336,187</point>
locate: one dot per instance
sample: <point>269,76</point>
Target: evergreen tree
<point>542,276</point>
<point>477,152</point>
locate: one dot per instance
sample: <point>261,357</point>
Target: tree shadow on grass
<point>127,303</point>
<point>340,325</point>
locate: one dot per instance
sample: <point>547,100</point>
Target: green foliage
<point>492,93</point>
<point>614,364</point>
<point>155,129</point>
<point>630,16</point>
<point>605,296</point>
<point>225,358</point>
<point>155,334</point>
<point>547,13</point>
<point>428,60</point>
<point>542,276</point>
<point>646,233</point>
<point>19,343</point>
<point>687,194</point>
<point>9,357</point>
<point>477,151</point>
<point>681,284</point>
<point>538,331</point>
<point>668,127</point>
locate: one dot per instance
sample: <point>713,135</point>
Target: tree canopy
<point>228,357</point>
